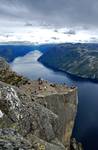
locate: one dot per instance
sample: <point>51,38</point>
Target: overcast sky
<point>74,13</point>
<point>68,20</point>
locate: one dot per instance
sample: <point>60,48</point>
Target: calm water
<point>86,126</point>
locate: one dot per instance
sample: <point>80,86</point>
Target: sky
<point>71,19</point>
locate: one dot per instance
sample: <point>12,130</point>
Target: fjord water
<point>86,124</point>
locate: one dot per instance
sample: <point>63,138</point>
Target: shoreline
<point>68,73</point>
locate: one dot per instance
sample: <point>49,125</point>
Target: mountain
<point>35,115</point>
<point>10,52</point>
<point>77,59</point>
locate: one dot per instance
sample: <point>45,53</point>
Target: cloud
<point>94,39</point>
<point>70,13</point>
<point>70,32</point>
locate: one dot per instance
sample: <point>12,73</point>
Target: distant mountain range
<point>10,52</point>
<point>77,59</point>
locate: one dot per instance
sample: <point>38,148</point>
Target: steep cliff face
<point>35,115</point>
<point>64,106</point>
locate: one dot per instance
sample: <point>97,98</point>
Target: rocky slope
<point>35,115</point>
<point>77,59</point>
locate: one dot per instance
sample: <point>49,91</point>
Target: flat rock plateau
<point>35,115</point>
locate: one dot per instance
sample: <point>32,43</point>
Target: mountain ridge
<point>76,59</point>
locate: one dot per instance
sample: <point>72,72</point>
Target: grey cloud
<point>52,12</point>
<point>94,39</point>
<point>70,32</point>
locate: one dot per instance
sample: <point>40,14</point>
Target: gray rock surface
<point>34,116</point>
<point>11,140</point>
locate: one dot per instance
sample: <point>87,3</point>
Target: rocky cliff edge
<point>35,115</point>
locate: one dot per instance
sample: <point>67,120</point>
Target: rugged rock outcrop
<point>11,140</point>
<point>35,115</point>
<point>8,76</point>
